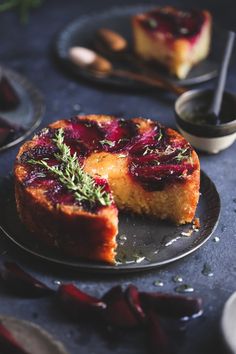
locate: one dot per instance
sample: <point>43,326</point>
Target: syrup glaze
<point>155,157</point>
<point>174,23</point>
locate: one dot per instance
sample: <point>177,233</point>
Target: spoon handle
<point>218,94</point>
<point>146,76</point>
<point>160,83</point>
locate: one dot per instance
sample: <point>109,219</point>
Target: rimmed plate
<point>28,115</point>
<point>82,31</point>
<point>143,243</point>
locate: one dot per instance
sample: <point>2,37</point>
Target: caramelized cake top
<point>173,23</point>
<point>53,160</point>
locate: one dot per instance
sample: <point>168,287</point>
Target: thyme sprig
<point>72,176</point>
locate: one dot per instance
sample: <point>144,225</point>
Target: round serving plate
<point>82,32</point>
<point>143,243</point>
<point>28,114</point>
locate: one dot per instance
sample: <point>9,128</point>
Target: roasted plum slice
<point>45,137</point>
<point>5,133</point>
<point>6,130</point>
<point>156,177</point>
<point>169,156</point>
<point>77,303</point>
<point>171,22</point>
<point>118,134</point>
<point>133,299</point>
<point>85,131</point>
<point>39,177</point>
<point>157,339</point>
<point>140,143</point>
<point>57,194</point>
<point>8,344</point>
<point>8,96</point>
<point>38,152</point>
<point>119,313</point>
<point>176,306</point>
<point>22,283</point>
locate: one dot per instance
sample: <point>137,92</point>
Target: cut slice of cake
<point>72,176</point>
<point>173,38</point>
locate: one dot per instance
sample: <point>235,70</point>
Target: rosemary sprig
<point>72,176</point>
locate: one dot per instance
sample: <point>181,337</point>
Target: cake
<point>173,38</point>
<point>74,175</point>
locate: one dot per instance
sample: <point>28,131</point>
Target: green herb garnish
<point>160,136</point>
<point>147,151</point>
<point>152,23</point>
<point>107,142</point>
<point>72,176</point>
<point>182,155</point>
<point>123,140</point>
<point>122,156</point>
<point>23,6</point>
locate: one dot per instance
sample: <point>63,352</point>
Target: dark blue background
<point>27,49</point>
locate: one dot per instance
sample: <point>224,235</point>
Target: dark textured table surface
<point>27,49</point>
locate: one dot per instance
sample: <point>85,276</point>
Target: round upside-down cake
<point>72,176</point>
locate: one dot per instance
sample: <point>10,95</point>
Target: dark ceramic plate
<point>81,32</point>
<point>28,115</point>
<point>142,243</point>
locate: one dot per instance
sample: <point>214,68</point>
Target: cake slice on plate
<point>174,38</point>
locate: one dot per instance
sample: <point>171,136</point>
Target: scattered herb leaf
<point>182,155</point>
<point>23,6</point>
<point>160,136</point>
<point>107,142</point>
<point>147,150</point>
<point>152,23</point>
<point>122,155</point>
<point>123,140</point>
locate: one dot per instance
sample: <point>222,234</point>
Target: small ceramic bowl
<point>193,123</point>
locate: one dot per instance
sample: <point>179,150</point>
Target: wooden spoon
<point>101,67</point>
